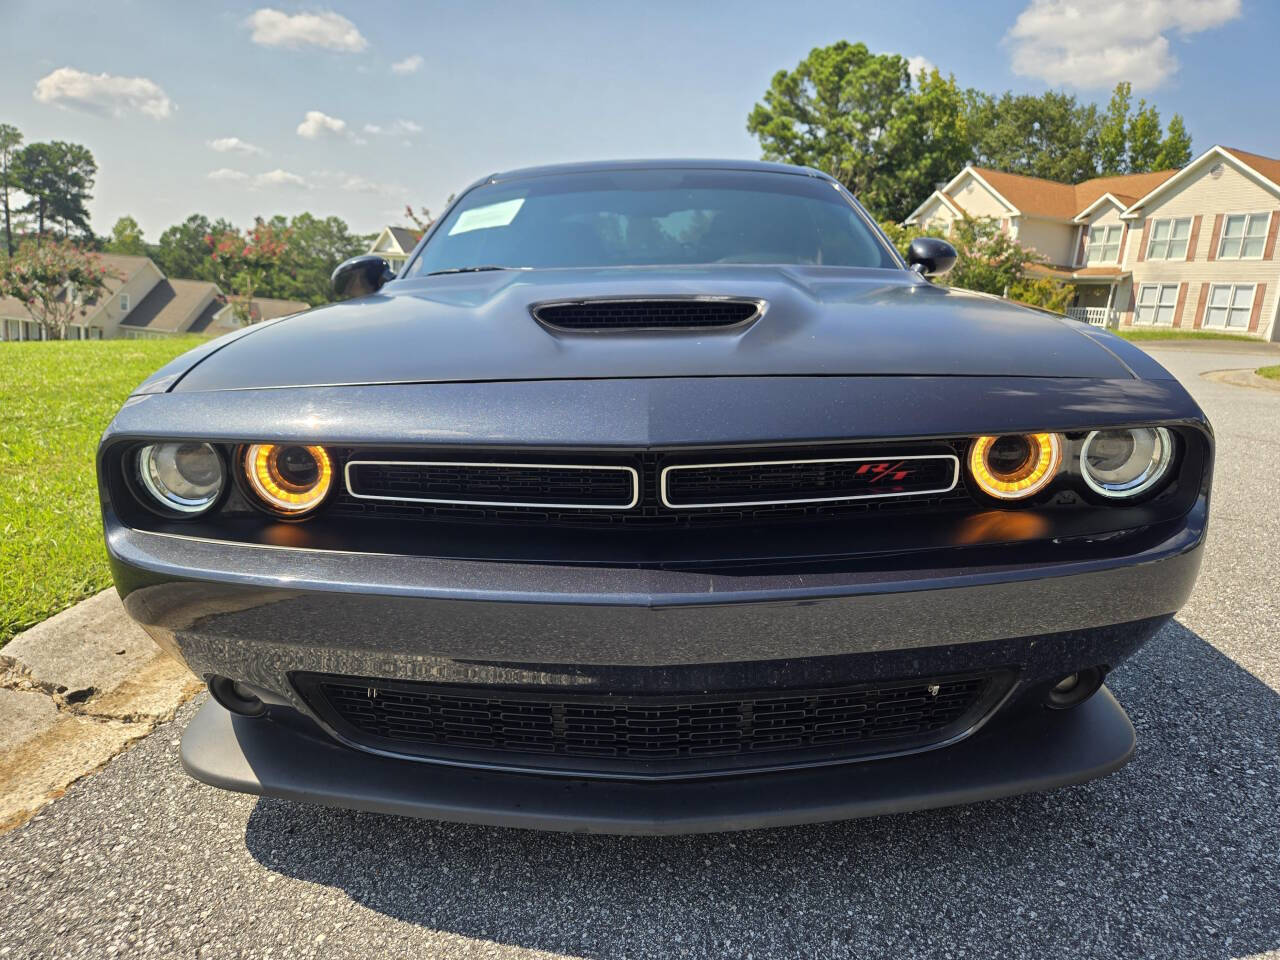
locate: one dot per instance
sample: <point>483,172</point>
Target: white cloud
<point>103,94</point>
<point>280,178</point>
<point>1097,43</point>
<point>919,66</point>
<point>317,124</point>
<point>401,128</point>
<point>227,175</point>
<point>408,65</point>
<point>357,183</point>
<point>236,145</point>
<point>328,30</point>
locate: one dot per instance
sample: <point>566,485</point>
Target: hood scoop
<point>647,313</point>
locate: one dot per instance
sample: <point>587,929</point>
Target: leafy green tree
<point>1144,138</point>
<point>857,116</point>
<point>1043,292</point>
<point>241,263</point>
<point>10,141</point>
<point>183,249</point>
<point>58,178</point>
<point>1175,149</point>
<point>987,260</point>
<point>1050,135</point>
<point>126,237</point>
<point>55,281</point>
<point>1113,134</point>
<point>313,247</point>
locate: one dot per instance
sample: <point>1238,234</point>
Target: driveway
<point>1176,855</point>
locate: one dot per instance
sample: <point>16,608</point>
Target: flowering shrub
<point>56,281</point>
<point>241,262</point>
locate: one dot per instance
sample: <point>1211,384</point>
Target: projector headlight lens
<point>1015,466</point>
<point>1125,463</point>
<point>289,479</point>
<point>182,477</point>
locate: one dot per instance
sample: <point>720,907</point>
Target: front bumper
<point>268,759</point>
<point>261,616</point>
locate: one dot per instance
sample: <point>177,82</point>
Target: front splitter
<point>1045,750</point>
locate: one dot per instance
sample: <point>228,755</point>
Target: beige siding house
<point>395,244</point>
<point>140,302</point>
<point>1192,248</point>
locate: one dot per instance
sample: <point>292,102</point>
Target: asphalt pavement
<point>1176,855</point>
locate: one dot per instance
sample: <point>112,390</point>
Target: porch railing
<point>1095,316</point>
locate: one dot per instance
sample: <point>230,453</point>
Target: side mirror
<point>361,276</point>
<point>931,257</point>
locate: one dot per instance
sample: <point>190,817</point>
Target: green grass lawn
<point>56,398</point>
<point>1271,373</point>
<point>1170,334</point>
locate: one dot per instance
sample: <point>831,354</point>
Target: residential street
<point>1176,855</point>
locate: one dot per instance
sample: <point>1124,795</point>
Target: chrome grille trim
<point>631,471</point>
<point>667,471</point>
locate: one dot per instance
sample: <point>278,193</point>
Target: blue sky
<point>242,109</point>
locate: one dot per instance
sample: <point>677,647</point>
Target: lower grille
<point>642,735</point>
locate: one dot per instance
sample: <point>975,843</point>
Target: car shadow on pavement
<point>1177,854</point>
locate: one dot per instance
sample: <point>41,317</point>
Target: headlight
<point>1125,463</point>
<point>182,477</point>
<point>289,479</point>
<point>1015,466</point>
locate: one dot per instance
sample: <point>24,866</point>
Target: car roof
<point>604,166</point>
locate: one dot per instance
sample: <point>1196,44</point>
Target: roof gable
<point>1263,170</point>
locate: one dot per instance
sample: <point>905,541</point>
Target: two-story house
<point>1193,248</point>
<point>395,244</point>
<point>141,302</point>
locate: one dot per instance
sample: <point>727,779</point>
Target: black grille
<point>645,314</point>
<point>650,513</point>
<point>758,482</point>
<point>498,484</point>
<point>646,734</point>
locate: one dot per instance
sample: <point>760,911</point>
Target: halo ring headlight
<point>288,479</point>
<point>183,478</point>
<point>1015,466</point>
<point>1125,463</point>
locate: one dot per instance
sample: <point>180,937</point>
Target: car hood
<point>820,321</point>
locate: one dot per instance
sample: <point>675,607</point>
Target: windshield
<point>651,217</point>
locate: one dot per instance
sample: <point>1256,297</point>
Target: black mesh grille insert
<point>507,484</point>
<point>765,482</point>
<point>634,733</point>
<point>642,314</point>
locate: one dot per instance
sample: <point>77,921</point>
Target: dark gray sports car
<point>656,497</point>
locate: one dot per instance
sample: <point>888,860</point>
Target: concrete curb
<point>1242,378</point>
<point>75,690</point>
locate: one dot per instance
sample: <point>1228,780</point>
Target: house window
<point>1104,245</point>
<point>1243,236</point>
<point>1169,239</point>
<point>1156,303</point>
<point>124,303</point>
<point>1229,306</point>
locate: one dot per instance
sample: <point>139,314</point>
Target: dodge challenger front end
<point>656,497</point>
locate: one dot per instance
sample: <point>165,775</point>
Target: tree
<point>241,263</point>
<point>989,261</point>
<point>183,250</point>
<point>1114,132</point>
<point>126,237</point>
<point>852,113</point>
<point>1175,149</point>
<point>313,247</point>
<point>56,281</point>
<point>10,141</point>
<point>57,177</point>
<point>1050,135</point>
<point>1144,138</point>
<point>1043,292</point>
